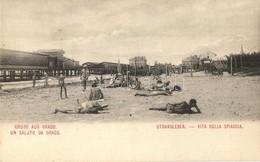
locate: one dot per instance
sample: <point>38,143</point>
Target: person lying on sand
<point>88,107</point>
<point>180,108</point>
<point>95,93</point>
<point>156,93</point>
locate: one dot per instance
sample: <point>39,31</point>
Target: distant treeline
<point>242,62</point>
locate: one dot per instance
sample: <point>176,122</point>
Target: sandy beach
<point>219,98</point>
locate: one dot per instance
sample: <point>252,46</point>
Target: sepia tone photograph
<point>182,65</point>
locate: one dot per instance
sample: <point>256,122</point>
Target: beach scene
<point>219,98</point>
<point>129,80</point>
<point>124,61</point>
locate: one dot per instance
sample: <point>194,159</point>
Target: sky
<point>108,30</point>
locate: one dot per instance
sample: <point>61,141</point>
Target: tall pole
<point>166,69</point>
<point>241,65</point>
<point>231,66</point>
<point>190,69</point>
<point>127,76</point>
<point>242,51</point>
<point>135,67</point>
<point>60,38</point>
<point>236,63</point>
<point>158,72</point>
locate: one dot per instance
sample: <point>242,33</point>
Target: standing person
<point>101,79</point>
<point>62,85</point>
<point>138,84</point>
<point>84,76</point>
<point>46,77</point>
<point>34,78</point>
<point>220,72</point>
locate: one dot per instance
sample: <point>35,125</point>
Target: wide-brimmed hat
<point>85,66</point>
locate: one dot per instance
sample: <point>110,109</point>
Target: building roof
<point>191,58</point>
<point>67,59</point>
<point>61,51</point>
<point>90,63</point>
<point>97,63</point>
<point>21,52</point>
<point>208,53</point>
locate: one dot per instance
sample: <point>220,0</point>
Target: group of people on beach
<point>92,105</point>
<point>61,82</point>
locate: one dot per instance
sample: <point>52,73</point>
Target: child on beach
<point>88,107</point>
<point>62,85</point>
<point>180,108</point>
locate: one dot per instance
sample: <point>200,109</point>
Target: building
<point>206,60</point>
<point>139,62</point>
<point>208,55</point>
<point>21,60</point>
<point>58,61</point>
<point>161,68</point>
<point>20,65</point>
<point>191,61</point>
<point>106,67</point>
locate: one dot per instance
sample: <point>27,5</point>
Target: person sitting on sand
<point>156,93</point>
<point>180,108</point>
<point>118,81</point>
<point>176,88</point>
<point>160,86</point>
<point>95,93</point>
<point>88,107</point>
<point>135,84</point>
<point>114,83</point>
<point>132,83</point>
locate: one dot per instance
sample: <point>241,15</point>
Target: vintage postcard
<point>129,80</point>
